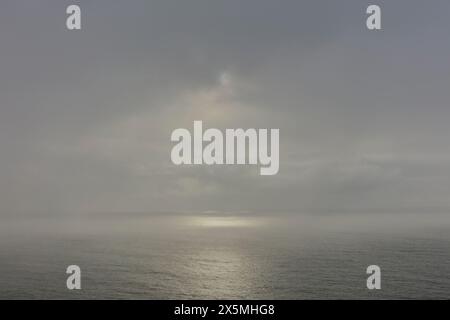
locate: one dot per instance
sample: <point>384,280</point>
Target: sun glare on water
<point>225,222</point>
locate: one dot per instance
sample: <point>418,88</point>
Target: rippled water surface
<point>225,257</point>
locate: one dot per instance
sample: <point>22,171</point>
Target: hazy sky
<point>86,116</point>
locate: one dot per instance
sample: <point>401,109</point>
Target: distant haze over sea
<point>209,256</point>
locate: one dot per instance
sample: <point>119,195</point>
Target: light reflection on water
<point>226,222</point>
<point>226,257</point>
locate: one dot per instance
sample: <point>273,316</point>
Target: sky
<point>86,116</point>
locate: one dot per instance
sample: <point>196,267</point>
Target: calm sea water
<point>226,257</point>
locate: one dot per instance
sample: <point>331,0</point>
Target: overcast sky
<point>86,116</point>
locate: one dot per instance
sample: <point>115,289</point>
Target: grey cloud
<point>85,117</point>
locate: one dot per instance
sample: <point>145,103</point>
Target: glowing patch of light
<point>225,222</point>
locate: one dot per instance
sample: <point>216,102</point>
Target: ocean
<point>228,256</point>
